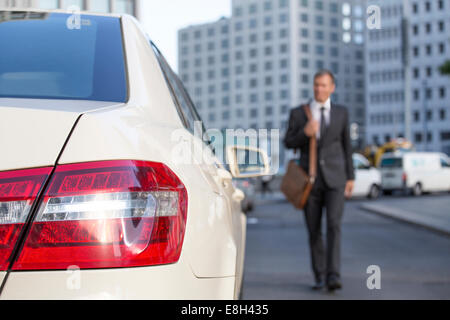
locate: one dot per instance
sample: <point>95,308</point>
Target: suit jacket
<point>334,152</point>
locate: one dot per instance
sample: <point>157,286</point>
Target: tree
<point>445,68</point>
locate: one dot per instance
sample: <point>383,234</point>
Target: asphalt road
<point>414,263</point>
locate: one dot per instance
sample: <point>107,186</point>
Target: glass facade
<point>73,3</point>
<point>100,6</point>
<point>124,6</point>
<point>48,4</point>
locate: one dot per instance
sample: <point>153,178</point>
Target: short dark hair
<point>325,72</point>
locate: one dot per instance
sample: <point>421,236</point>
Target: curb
<point>411,218</point>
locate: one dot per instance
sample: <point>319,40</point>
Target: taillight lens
<point>106,215</point>
<point>18,191</point>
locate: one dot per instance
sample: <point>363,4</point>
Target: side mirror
<point>247,162</point>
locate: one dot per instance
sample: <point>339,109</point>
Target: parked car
<point>248,187</point>
<point>415,172</point>
<point>97,197</point>
<point>367,178</point>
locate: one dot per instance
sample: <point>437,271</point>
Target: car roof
<point>114,15</point>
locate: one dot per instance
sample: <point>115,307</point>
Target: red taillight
<point>18,191</point>
<point>404,177</point>
<point>105,215</point>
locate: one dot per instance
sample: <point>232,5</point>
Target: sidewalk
<point>431,212</point>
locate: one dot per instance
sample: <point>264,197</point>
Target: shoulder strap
<point>312,148</point>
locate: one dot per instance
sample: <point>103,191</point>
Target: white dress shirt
<point>316,113</point>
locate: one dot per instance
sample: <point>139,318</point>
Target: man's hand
<point>349,188</point>
<point>311,128</point>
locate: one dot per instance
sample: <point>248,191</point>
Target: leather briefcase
<point>296,184</point>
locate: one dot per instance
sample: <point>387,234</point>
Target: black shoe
<point>334,283</point>
<point>319,285</point>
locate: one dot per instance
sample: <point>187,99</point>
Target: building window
<point>320,50</point>
<point>304,17</point>
<point>224,29</point>
<point>334,7</point>
<point>319,5</point>
<point>418,137</point>
<point>283,3</point>
<point>319,20</point>
<point>79,4</point>
<point>51,4</point>
<point>99,6</point>
<point>283,17</point>
<point>304,48</point>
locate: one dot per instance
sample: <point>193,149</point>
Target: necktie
<point>323,124</point>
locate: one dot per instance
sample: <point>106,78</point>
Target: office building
<point>406,94</point>
<point>250,69</point>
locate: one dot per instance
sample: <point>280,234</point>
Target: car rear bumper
<point>170,282</point>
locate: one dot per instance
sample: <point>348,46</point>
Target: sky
<point>163,18</point>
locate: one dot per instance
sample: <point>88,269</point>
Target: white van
<point>415,172</point>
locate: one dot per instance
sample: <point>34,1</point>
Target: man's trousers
<point>325,261</point>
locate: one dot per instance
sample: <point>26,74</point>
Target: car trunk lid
<point>33,131</point>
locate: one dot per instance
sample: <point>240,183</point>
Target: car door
<point>223,179</point>
<point>362,177</point>
<point>445,167</point>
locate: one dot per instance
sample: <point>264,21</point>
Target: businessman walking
<point>335,175</point>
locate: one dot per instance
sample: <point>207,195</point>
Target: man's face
<point>323,88</point>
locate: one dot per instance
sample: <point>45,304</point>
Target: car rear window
<point>61,56</point>
<point>392,163</point>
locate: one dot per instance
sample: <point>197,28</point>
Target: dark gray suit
<point>334,169</point>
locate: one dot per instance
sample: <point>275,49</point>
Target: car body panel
<point>159,283</point>
<point>33,131</point>
<point>248,187</point>
<point>365,178</point>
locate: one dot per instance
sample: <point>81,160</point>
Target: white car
<point>367,178</point>
<point>94,200</point>
<point>415,172</point>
